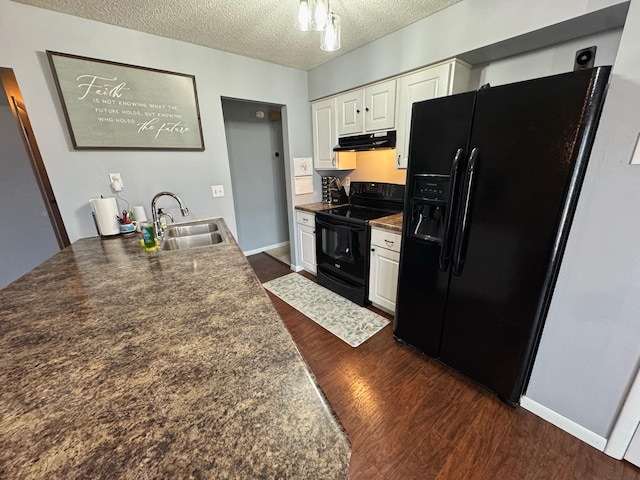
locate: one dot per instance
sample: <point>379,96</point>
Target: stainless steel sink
<point>193,241</point>
<point>196,234</point>
<point>185,230</point>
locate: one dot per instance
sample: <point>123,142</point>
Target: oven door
<point>342,248</point>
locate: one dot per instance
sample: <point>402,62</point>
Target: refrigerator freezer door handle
<point>463,237</point>
<point>450,213</point>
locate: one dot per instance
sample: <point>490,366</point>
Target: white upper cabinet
<point>378,107</point>
<point>367,109</point>
<point>437,81</point>
<point>324,133</point>
<point>350,112</point>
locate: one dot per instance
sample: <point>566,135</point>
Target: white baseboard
<point>564,423</point>
<point>262,249</point>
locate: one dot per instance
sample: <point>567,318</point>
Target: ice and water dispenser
<point>428,201</point>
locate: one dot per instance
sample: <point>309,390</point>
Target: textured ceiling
<point>262,29</point>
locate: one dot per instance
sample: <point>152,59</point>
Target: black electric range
<point>343,237</point>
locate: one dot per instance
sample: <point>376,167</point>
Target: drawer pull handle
<point>389,242</point>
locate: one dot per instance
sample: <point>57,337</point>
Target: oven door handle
<point>340,280</point>
<point>332,226</point>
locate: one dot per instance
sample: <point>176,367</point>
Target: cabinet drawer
<point>305,218</point>
<point>385,239</point>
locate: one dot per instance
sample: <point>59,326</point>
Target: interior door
<point>528,140</point>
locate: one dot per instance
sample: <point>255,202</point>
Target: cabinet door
<point>307,243</point>
<point>380,106</point>
<point>324,133</point>
<point>350,115</point>
<point>383,278</point>
<point>423,85</point>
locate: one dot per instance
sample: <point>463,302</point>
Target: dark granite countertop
<point>115,363</point>
<point>316,206</point>
<point>392,223</point>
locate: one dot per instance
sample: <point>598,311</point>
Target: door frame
<point>627,422</point>
<point>12,91</point>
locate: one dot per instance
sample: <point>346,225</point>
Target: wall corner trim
<point>563,423</point>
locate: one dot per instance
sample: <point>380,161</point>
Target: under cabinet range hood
<point>368,141</point>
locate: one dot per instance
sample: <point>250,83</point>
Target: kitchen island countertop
<point>116,363</point>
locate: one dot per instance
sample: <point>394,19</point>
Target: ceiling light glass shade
<point>320,15</point>
<point>304,15</point>
<point>331,34</point>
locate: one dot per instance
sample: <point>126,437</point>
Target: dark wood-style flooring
<point>409,417</point>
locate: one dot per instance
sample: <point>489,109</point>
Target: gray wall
<point>78,175</point>
<point>591,343</point>
<point>26,235</point>
<point>475,30</point>
<point>551,60</point>
<point>257,175</point>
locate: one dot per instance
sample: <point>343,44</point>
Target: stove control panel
<point>377,190</point>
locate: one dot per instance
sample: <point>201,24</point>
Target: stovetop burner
<point>357,212</point>
<point>368,201</point>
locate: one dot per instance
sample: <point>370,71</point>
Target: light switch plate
<point>217,190</point>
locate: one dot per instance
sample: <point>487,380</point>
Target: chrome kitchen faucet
<point>156,222</point>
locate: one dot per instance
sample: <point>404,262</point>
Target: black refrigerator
<point>492,184</point>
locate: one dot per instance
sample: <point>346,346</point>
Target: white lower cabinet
<point>383,271</point>
<point>306,228</point>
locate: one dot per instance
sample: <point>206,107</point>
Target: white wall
<point>591,342</point>
<point>464,27</point>
<point>26,32</point>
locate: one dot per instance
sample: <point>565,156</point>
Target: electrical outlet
<point>217,190</point>
<point>116,181</point>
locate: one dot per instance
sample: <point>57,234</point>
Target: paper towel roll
<point>105,211</point>
<point>139,215</point>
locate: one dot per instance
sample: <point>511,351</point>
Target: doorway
<point>28,202</point>
<point>255,146</point>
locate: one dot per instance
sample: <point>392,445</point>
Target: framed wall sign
<point>109,105</point>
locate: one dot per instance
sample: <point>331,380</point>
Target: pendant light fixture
<point>304,15</point>
<point>320,15</point>
<point>317,15</point>
<point>331,34</point>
